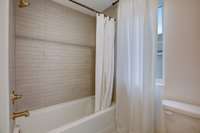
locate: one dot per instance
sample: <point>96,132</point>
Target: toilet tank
<point>181,118</point>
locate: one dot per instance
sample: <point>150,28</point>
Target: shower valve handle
<point>15,97</point>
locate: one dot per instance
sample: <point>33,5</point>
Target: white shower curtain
<point>105,34</point>
<point>135,66</point>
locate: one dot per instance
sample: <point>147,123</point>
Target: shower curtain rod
<point>116,2</point>
<point>91,9</point>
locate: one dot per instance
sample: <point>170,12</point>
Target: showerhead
<point>23,3</point>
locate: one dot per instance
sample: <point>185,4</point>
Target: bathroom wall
<point>182,50</point>
<point>12,46</point>
<point>54,54</point>
<point>12,56</point>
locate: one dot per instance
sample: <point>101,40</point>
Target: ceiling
<point>99,5</point>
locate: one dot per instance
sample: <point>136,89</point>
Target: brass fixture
<point>15,97</point>
<point>20,114</point>
<point>24,3</point>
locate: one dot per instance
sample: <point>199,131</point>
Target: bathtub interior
<point>49,118</point>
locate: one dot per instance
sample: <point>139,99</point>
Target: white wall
<point>182,40</point>
<point>4,72</point>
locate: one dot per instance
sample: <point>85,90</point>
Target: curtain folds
<point>136,54</point>
<point>105,35</point>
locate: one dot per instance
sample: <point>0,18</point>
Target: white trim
<point>4,69</point>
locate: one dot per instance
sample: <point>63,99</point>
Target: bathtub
<point>71,117</point>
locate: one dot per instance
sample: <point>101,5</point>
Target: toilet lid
<point>183,108</point>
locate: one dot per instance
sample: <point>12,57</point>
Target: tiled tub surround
<point>54,55</point>
<point>46,20</point>
<point>50,73</point>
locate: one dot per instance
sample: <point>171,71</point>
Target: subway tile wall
<point>54,54</point>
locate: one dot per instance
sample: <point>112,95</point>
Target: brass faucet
<point>20,114</point>
<point>15,115</point>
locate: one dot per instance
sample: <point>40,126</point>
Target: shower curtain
<point>136,54</point>
<point>105,34</point>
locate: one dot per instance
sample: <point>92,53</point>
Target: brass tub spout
<point>20,114</point>
<point>23,3</point>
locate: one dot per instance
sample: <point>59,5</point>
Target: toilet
<point>181,117</point>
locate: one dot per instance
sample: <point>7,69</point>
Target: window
<point>159,65</point>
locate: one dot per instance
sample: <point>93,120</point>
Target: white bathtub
<point>71,117</point>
